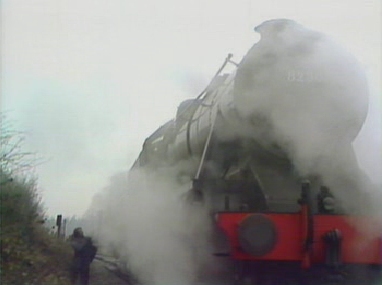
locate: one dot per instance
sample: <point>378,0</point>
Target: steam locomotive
<point>267,213</point>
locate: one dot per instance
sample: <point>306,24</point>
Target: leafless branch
<point>13,159</point>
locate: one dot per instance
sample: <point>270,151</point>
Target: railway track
<point>108,269</point>
<point>118,275</point>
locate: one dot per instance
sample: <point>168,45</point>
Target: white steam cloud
<point>296,88</point>
<point>145,222</point>
<point>305,93</point>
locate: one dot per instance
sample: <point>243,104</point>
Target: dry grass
<point>29,255</point>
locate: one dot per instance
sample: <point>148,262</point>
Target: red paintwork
<point>306,253</point>
<point>357,247</point>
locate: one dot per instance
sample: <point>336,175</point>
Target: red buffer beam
<point>358,245</point>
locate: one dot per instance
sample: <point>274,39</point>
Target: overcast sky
<point>89,80</point>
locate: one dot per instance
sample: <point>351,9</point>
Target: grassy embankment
<point>28,254</point>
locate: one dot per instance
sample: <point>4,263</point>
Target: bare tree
<point>13,159</point>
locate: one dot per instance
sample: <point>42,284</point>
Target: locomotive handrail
<point>227,60</point>
<point>307,223</point>
<point>206,145</point>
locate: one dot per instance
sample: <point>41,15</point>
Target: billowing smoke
<point>296,89</point>
<point>146,223</point>
<point>300,90</point>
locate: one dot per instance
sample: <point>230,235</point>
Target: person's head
<point>77,232</point>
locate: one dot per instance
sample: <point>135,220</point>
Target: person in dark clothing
<point>84,253</point>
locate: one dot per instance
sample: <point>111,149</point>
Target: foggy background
<point>88,81</point>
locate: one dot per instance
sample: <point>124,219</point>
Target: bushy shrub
<point>20,205</point>
<point>28,254</point>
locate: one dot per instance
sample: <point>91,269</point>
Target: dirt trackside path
<point>100,275</point>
